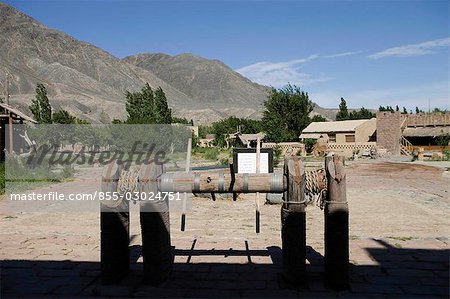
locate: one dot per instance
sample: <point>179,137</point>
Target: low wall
<point>347,149</point>
<point>287,148</point>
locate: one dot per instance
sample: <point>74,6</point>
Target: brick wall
<point>389,130</point>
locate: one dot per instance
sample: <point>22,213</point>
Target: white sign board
<point>246,163</point>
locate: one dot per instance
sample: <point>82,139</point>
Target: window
<point>332,138</point>
<point>349,138</point>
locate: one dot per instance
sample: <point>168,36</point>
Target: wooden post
<point>188,168</point>
<point>293,222</point>
<point>115,227</point>
<point>7,88</point>
<point>336,225</point>
<point>155,226</point>
<point>11,147</point>
<point>258,162</point>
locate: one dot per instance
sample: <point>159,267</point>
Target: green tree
<point>286,113</point>
<point>148,107</point>
<point>162,112</point>
<point>439,110</point>
<point>63,117</point>
<point>318,118</point>
<point>443,140</point>
<point>397,108</point>
<point>419,110</point>
<point>139,105</point>
<point>180,120</point>
<point>343,111</point>
<point>363,113</point>
<point>404,111</point>
<point>231,125</point>
<point>387,108</point>
<point>40,106</point>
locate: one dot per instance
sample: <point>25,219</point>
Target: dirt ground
<point>406,205</point>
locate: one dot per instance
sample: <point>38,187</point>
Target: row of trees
<point>42,110</point>
<point>146,106</point>
<point>344,114</point>
<point>404,111</point>
<point>363,113</point>
<point>286,114</point>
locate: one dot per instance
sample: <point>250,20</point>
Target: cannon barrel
<point>220,182</point>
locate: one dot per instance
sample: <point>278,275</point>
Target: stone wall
<point>389,130</point>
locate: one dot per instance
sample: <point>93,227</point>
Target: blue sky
<point>369,52</point>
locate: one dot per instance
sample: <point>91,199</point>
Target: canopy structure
<point>9,116</point>
<point>7,111</point>
<point>426,131</point>
<point>311,135</point>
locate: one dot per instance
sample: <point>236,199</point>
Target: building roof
<point>247,138</point>
<point>251,137</point>
<point>334,126</point>
<point>310,135</point>
<point>426,131</point>
<point>17,112</point>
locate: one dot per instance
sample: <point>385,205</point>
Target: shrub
<point>309,144</point>
<point>446,155</point>
<point>277,155</point>
<point>224,161</point>
<point>211,153</point>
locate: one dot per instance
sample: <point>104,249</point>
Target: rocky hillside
<point>87,81</point>
<point>79,76</point>
<point>210,83</point>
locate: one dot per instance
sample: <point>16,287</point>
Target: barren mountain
<point>209,83</point>
<point>87,81</point>
<point>79,77</point>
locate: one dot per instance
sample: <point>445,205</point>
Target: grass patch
<point>21,178</point>
<point>212,154</point>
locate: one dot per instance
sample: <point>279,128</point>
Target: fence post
<point>155,226</point>
<point>114,229</point>
<point>336,225</point>
<point>293,222</point>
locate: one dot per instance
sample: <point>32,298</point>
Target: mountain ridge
<point>88,81</point>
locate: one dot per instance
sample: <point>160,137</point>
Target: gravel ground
<point>392,206</point>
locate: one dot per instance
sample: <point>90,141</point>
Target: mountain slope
<point>89,82</point>
<point>210,83</point>
<point>80,77</point>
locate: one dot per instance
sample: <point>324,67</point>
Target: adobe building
<point>344,137</point>
<point>345,131</point>
<point>404,133</point>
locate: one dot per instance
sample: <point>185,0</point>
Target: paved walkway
<point>398,229</point>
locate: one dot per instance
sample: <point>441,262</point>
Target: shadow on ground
<point>396,272</point>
